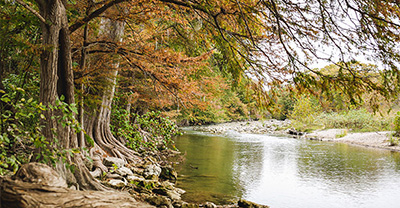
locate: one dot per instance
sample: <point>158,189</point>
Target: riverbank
<point>378,140</point>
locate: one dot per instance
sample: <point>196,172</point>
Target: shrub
<point>20,130</point>
<point>356,120</point>
<point>150,131</point>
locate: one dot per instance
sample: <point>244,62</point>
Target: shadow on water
<point>285,172</point>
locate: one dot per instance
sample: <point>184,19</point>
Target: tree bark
<point>98,123</point>
<point>20,194</point>
<point>56,80</point>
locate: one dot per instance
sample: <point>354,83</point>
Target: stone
<point>159,201</point>
<point>117,183</point>
<point>248,204</point>
<point>187,205</point>
<point>209,205</point>
<point>294,132</point>
<point>109,161</point>
<point>152,171</point>
<point>168,173</point>
<point>124,171</point>
<point>135,178</point>
<point>137,170</point>
<point>168,185</point>
<point>114,175</point>
<point>179,191</point>
<point>173,195</point>
<point>161,191</point>
<point>178,203</point>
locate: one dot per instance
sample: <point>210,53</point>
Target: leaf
<point>19,89</point>
<point>5,99</point>
<point>89,140</point>
<point>73,109</point>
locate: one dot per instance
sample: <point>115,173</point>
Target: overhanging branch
<point>93,15</point>
<point>34,12</point>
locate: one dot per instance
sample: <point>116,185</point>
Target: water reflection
<point>284,172</point>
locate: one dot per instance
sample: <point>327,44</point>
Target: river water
<point>284,172</point>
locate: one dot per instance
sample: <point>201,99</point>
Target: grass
<point>342,134</point>
<point>359,120</point>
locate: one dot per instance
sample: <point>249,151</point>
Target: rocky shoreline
<point>148,183</point>
<point>153,181</point>
<point>379,140</point>
<point>250,127</point>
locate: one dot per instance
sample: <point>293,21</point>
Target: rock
<point>117,183</point>
<point>114,175</point>
<point>137,170</point>
<point>149,184</point>
<point>168,173</point>
<point>294,132</point>
<point>187,205</point>
<point>248,204</point>
<point>109,161</point>
<point>178,203</point>
<point>135,178</point>
<point>210,205</point>
<point>168,185</point>
<point>159,201</point>
<point>124,171</point>
<point>179,191</point>
<point>96,173</point>
<point>173,195</point>
<point>41,174</point>
<point>161,191</point>
<point>152,172</point>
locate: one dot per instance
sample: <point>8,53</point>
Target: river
<point>284,172</point>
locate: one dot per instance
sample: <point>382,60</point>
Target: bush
<point>20,130</point>
<point>397,124</point>
<point>150,131</point>
<point>356,120</point>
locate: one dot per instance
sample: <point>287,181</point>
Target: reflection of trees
<point>207,172</point>
<point>218,169</point>
<point>395,158</point>
<point>339,164</point>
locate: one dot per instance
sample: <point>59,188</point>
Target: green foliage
<point>150,131</point>
<point>393,141</point>
<point>304,110</point>
<point>284,106</point>
<point>397,124</point>
<point>356,120</point>
<point>21,139</point>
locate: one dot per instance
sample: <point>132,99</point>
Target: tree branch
<point>187,4</point>
<point>34,12</point>
<point>93,15</point>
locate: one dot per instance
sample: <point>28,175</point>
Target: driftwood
<point>21,194</point>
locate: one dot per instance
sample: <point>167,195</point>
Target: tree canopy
<point>194,57</point>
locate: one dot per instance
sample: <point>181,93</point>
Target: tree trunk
<point>98,123</point>
<point>56,80</point>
